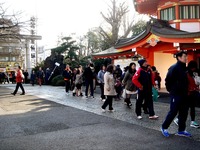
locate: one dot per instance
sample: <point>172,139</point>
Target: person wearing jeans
<point>19,80</point>
<point>177,85</point>
<point>100,77</point>
<point>193,91</point>
<point>109,88</point>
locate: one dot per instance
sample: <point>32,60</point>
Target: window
<point>168,14</point>
<point>4,58</point>
<point>13,59</point>
<point>190,12</point>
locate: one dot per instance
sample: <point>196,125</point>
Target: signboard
<point>33,55</point>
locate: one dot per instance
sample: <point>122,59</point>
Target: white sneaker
<point>103,100</point>
<point>103,110</point>
<point>112,111</point>
<point>153,117</point>
<point>139,117</point>
<point>194,124</point>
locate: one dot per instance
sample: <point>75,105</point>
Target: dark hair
<point>78,71</point>
<point>110,68</point>
<point>126,68</point>
<point>192,65</point>
<point>19,67</point>
<point>148,65</point>
<point>180,54</point>
<point>130,67</point>
<point>91,65</point>
<point>153,68</point>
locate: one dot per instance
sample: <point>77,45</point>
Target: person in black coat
<point>33,77</point>
<point>26,74</point>
<point>177,85</point>
<point>67,77</point>
<point>88,75</point>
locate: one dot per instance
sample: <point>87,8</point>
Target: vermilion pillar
<point>177,16</point>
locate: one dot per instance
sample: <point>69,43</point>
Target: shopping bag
<point>155,94</point>
<point>124,93</point>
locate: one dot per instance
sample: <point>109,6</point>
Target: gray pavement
<point>46,118</point>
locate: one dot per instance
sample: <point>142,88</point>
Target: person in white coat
<point>109,88</point>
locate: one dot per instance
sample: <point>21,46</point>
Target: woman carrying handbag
<point>130,88</point>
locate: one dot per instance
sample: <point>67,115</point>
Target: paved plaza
<point>46,118</point>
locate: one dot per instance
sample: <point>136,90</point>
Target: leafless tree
<point>10,24</point>
<point>115,18</point>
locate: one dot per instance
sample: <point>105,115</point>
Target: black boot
<point>13,94</point>
<point>129,102</point>
<point>125,101</point>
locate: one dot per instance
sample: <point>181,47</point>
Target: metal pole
<point>52,72</point>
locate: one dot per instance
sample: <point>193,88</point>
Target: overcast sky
<point>62,16</point>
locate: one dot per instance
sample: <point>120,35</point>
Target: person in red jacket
<point>144,81</point>
<point>19,80</point>
<point>193,91</point>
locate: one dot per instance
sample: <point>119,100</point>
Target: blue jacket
<point>33,76</point>
<point>100,76</point>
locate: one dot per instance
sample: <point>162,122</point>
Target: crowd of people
<point>21,77</point>
<point>40,77</point>
<point>116,84</point>
<point>182,82</point>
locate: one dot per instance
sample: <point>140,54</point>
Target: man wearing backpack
<point>177,85</point>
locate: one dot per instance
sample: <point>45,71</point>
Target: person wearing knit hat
<point>141,62</point>
<point>144,81</point>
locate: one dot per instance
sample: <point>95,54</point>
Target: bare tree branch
<point>114,19</point>
<point>10,24</point>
